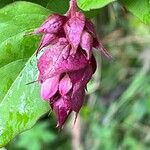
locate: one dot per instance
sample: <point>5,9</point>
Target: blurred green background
<point>116,113</point>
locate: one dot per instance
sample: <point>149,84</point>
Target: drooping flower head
<point>67,63</point>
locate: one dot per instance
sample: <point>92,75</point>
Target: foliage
<point>94,4</point>
<point>139,8</point>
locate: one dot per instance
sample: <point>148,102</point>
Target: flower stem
<point>73,7</point>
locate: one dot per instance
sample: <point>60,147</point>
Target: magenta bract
<point>73,30</point>
<point>65,85</point>
<point>53,24</point>
<point>67,63</point>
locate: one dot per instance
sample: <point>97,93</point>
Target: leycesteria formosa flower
<point>67,63</point>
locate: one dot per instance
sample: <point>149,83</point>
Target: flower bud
<point>67,63</point>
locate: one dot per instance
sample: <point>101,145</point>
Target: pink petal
<point>49,87</point>
<point>87,43</point>
<point>90,28</point>
<point>62,110</point>
<point>81,77</point>
<point>77,100</point>
<point>47,39</point>
<point>101,49</point>
<point>65,85</point>
<point>73,29</point>
<point>53,24</point>
<point>56,60</point>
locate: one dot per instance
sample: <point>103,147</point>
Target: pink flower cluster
<point>67,62</point>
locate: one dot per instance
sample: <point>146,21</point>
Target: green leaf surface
<point>6,2</point>
<point>140,8</point>
<point>58,6</point>
<point>8,74</point>
<point>20,105</point>
<point>15,20</point>
<point>87,5</point>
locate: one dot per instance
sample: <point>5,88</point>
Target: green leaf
<point>58,6</point>
<point>15,20</point>
<point>8,75</point>
<point>20,105</point>
<point>87,5</point>
<point>6,2</point>
<point>140,8</point>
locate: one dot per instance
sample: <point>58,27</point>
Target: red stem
<point>73,7</point>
